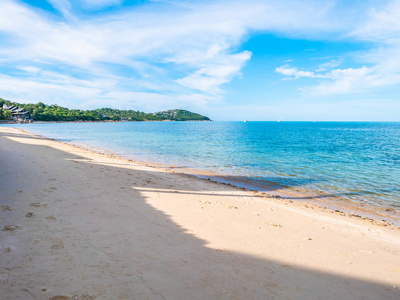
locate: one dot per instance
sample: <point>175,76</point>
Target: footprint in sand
<point>6,250</point>
<point>29,214</point>
<point>10,227</point>
<point>57,246</point>
<point>273,224</point>
<point>37,204</point>
<point>50,190</point>
<point>6,208</point>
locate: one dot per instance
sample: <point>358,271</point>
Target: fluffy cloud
<point>177,49</point>
<point>343,81</point>
<point>174,47</point>
<point>329,65</point>
<point>208,79</point>
<point>291,71</point>
<point>62,6</point>
<point>381,28</point>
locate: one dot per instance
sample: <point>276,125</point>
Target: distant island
<point>54,113</point>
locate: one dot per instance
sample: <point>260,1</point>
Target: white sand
<point>88,226</point>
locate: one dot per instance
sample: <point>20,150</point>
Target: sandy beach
<point>82,225</point>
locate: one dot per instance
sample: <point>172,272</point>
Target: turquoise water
<point>348,160</point>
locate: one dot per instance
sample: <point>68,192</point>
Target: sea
<point>342,162</point>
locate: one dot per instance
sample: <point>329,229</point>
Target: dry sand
<point>83,225</point>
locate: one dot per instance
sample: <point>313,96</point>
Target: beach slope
<point>83,225</point>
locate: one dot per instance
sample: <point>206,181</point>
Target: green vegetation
<point>124,115</point>
<point>180,115</point>
<point>42,112</point>
<point>5,114</point>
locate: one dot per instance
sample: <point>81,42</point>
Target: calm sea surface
<point>350,160</point>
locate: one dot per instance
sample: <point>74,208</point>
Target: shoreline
<point>337,204</point>
<point>82,225</point>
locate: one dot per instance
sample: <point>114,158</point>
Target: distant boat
<point>279,120</point>
<point>245,121</point>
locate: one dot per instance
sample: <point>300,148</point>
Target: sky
<point>266,60</point>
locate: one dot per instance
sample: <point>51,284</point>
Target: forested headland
<point>56,113</point>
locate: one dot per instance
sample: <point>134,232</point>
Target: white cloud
<point>330,65</point>
<point>29,69</point>
<point>183,38</point>
<point>208,79</point>
<point>291,71</point>
<point>343,81</point>
<point>69,92</point>
<point>381,26</point>
<point>180,46</point>
<point>171,49</point>
<point>64,7</point>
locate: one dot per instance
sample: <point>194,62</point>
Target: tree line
<point>56,113</point>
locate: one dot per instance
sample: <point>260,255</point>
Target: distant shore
<point>82,224</point>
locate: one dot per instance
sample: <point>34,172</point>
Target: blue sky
<point>230,60</point>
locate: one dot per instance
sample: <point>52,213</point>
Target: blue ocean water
<point>357,161</point>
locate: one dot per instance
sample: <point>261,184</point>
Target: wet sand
<point>84,225</point>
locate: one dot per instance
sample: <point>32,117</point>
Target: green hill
<point>180,115</point>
